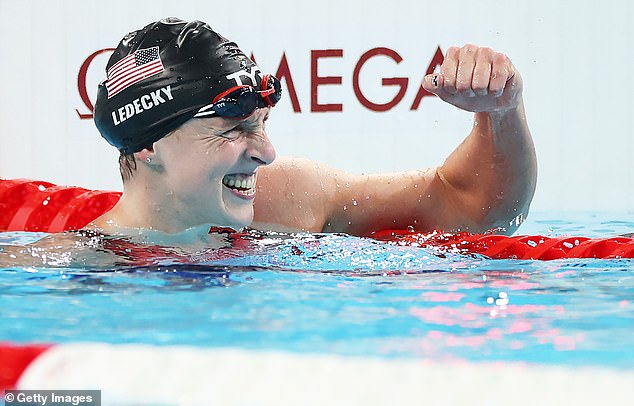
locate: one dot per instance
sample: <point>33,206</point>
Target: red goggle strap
<point>228,92</point>
<point>267,91</point>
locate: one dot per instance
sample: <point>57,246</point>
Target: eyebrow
<point>250,124</point>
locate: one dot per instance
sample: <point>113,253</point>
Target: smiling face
<point>208,169</point>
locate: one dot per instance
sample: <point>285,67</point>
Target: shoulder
<point>295,194</point>
<point>294,165</point>
<point>290,175</point>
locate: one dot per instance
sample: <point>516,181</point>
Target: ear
<point>147,156</point>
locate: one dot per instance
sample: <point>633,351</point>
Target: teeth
<point>245,184</point>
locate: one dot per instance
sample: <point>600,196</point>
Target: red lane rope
<point>29,205</point>
<point>14,359</point>
<point>516,247</point>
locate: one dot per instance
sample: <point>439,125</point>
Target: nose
<point>260,149</point>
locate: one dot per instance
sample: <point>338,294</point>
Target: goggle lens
<point>241,102</point>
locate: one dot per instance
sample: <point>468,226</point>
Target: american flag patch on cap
<point>135,67</point>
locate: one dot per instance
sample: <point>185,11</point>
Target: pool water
<point>336,294</point>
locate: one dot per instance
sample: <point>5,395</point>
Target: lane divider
<point>529,247</point>
<point>30,205</point>
<point>14,359</point>
<point>133,374</point>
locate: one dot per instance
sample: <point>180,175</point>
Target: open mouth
<point>241,184</point>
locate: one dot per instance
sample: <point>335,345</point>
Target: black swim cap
<point>160,76</point>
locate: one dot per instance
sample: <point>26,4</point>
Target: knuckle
<point>485,53</point>
<point>468,49</point>
<point>452,53</point>
<point>500,58</point>
<point>499,69</point>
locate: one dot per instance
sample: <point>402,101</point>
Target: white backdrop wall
<point>575,58</point>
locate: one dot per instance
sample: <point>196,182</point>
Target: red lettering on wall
<point>437,60</point>
<point>284,72</point>
<point>316,81</point>
<point>81,83</point>
<point>402,82</point>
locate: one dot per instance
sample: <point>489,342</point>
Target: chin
<point>239,220</point>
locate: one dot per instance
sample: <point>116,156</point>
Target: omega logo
<point>284,74</point>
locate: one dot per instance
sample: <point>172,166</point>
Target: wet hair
<point>127,166</point>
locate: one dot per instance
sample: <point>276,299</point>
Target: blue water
<point>338,294</point>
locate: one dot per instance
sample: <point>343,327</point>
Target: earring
<point>148,160</point>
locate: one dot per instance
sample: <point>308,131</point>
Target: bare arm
<point>487,182</point>
<point>493,172</point>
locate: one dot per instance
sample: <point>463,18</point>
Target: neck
<point>148,207</point>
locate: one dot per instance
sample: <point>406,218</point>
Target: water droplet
<point>179,78</point>
<point>501,302</point>
<point>345,207</point>
<point>354,202</point>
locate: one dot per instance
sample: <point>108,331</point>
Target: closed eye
<point>231,134</point>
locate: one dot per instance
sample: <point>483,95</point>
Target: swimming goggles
<point>241,101</point>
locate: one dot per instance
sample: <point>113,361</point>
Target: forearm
<point>493,172</point>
